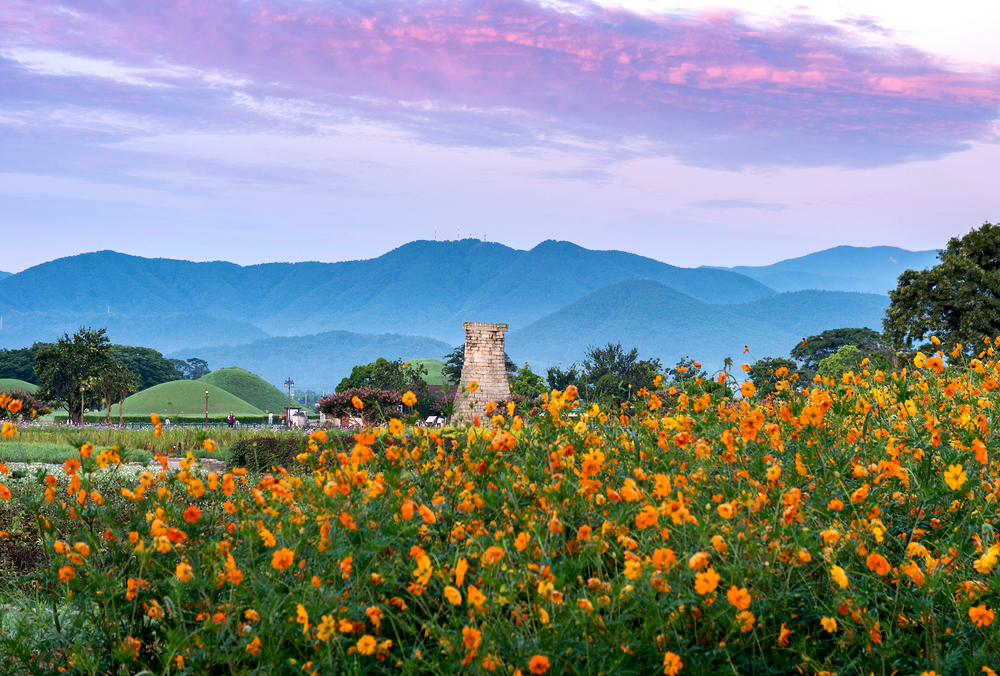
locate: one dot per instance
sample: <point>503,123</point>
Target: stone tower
<point>484,364</point>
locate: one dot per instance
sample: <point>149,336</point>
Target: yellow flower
<point>839,576</point>
<point>302,617</point>
<point>209,445</point>
<point>955,476</point>
<point>829,623</point>
<point>453,595</point>
<point>919,360</point>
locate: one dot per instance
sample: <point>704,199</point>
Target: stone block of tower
<point>485,365</point>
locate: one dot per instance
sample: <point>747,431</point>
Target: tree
<point>957,300</point>
<point>192,369</point>
<point>766,373</point>
<point>615,374</point>
<point>815,349</point>
<point>689,377</point>
<point>391,376</point>
<point>454,360</point>
<point>526,383</point>
<point>558,379</point>
<point>149,366</point>
<point>20,364</point>
<point>115,383</point>
<point>847,358</point>
<point>71,363</point>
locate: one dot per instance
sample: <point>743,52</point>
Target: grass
<point>8,384</point>
<point>433,367</point>
<point>249,387</point>
<point>57,454</point>
<point>186,397</point>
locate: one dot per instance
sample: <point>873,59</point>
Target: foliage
<point>768,373</point>
<point>70,364</point>
<point>454,360</point>
<point>114,384</point>
<point>848,528</point>
<point>20,364</point>
<point>559,379</point>
<point>814,349</point>
<point>526,383</point>
<point>615,375</point>
<point>191,369</point>
<point>259,454</point>
<point>150,367</point>
<point>391,376</point>
<point>377,405</point>
<point>27,407</point>
<point>847,358</point>
<point>689,377</point>
<point>958,300</point>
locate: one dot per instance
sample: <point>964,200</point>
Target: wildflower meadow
<point>847,526</point>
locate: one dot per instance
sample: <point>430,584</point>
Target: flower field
<point>845,528</point>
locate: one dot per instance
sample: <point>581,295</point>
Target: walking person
<point>231,419</point>
<point>270,419</point>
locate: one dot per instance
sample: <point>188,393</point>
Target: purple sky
<point>268,130</point>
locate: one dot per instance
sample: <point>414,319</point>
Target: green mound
<point>186,397</point>
<point>8,384</point>
<point>249,387</point>
<point>433,367</point>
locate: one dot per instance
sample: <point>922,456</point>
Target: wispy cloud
<point>718,89</point>
<point>738,204</point>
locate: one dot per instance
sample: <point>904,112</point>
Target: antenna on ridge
<point>460,232</point>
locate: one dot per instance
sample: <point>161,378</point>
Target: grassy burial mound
<point>433,367</point>
<point>187,398</point>
<point>8,384</point>
<point>249,387</point>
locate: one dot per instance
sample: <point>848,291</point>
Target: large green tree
<point>616,374</point>
<point>766,373</point>
<point>397,375</point>
<point>69,370</point>
<point>815,349</point>
<point>957,300</point>
<point>526,383</point>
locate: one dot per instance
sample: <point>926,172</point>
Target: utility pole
<point>288,411</point>
<point>206,409</point>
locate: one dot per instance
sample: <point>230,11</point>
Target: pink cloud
<point>711,88</point>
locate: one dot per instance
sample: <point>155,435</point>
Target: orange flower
<point>366,645</point>
<point>282,558</point>
<point>746,620</point>
<point>538,664</point>
<point>473,386</point>
<point>672,664</point>
<point>877,563</point>
<point>253,647</point>
<point>726,510</point>
<point>981,616</point>
<point>829,623</point>
<point>492,555</point>
<point>184,572</point>
<point>453,595</point>
<point>705,583</point>
<point>14,406</point>
<point>747,389</point>
<point>209,445</point>
<point>395,427</point>
<point>4,492</point>
<point>66,574</point>
<point>460,568</point>
<point>358,404</point>
<point>738,597</point>
<point>783,635</point>
<point>409,398</point>
<point>471,638</point>
<point>474,596</point>
<point>192,513</point>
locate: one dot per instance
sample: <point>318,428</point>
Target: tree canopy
<point>616,374</point>
<point>20,364</point>
<point>192,369</point>
<point>815,349</point>
<point>73,362</point>
<point>766,373</point>
<point>391,376</point>
<point>957,300</point>
<point>149,366</point>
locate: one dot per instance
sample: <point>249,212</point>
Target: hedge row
<point>186,419</point>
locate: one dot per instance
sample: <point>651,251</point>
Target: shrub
<point>261,453</point>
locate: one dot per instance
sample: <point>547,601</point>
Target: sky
<point>252,131</point>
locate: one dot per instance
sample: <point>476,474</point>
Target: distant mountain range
<point>4,274</point>
<point>313,321</point>
<point>843,268</point>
